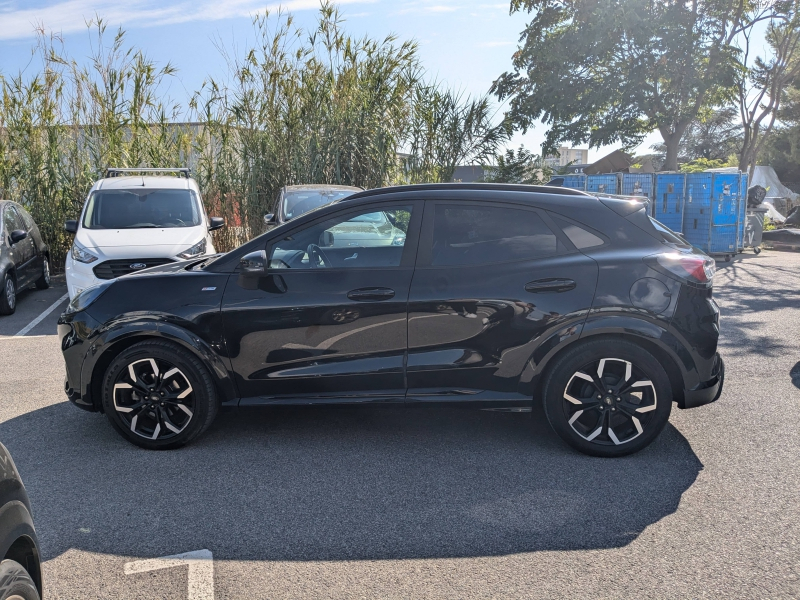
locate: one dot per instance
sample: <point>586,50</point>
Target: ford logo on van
<point>136,266</point>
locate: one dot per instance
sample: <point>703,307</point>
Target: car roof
<point>145,181</point>
<point>321,186</point>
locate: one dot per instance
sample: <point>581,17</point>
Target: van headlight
<point>197,250</point>
<point>81,254</point>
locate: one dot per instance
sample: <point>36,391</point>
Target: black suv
<point>497,295</point>
<point>24,257</point>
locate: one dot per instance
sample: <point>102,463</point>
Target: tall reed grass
<point>295,107</point>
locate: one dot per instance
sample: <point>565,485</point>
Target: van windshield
<point>144,208</point>
<point>299,202</point>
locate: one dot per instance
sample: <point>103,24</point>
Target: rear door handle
<point>550,285</point>
<point>371,294</point>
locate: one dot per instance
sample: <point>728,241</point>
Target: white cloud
<point>71,15</point>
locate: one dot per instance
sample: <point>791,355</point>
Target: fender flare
<point>116,338</point>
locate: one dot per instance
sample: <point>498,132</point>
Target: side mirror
<point>71,226</point>
<point>216,223</point>
<point>17,235</point>
<point>269,219</point>
<point>326,239</point>
<point>254,264</point>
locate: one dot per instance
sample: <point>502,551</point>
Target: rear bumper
<point>708,391</point>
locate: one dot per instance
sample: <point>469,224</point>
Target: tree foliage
<point>607,71</point>
<point>517,166</point>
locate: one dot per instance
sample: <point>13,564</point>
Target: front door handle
<point>550,285</point>
<point>371,294</point>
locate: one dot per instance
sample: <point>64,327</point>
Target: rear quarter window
<point>579,235</point>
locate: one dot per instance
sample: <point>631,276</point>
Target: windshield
<point>298,202</point>
<point>143,208</point>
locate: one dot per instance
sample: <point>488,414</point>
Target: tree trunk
<point>672,142</point>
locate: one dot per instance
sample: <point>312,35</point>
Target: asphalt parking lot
<point>367,502</point>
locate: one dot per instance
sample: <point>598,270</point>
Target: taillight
<point>691,267</point>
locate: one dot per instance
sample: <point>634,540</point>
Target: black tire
<point>44,279</point>
<point>185,403</point>
<point>8,295</point>
<point>621,417</point>
<point>15,583</point>
<point>757,250</point>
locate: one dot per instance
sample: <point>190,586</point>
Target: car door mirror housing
<point>216,223</point>
<point>71,226</point>
<point>270,219</point>
<point>326,239</point>
<point>254,264</point>
<point>17,235</point>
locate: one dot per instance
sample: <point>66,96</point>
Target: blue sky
<point>466,43</point>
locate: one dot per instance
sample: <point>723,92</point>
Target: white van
<point>133,222</point>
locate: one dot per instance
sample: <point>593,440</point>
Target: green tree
<point>518,166</point>
<point>607,71</point>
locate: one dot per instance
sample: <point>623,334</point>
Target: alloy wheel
<point>11,293</point>
<point>609,401</point>
<point>154,398</point>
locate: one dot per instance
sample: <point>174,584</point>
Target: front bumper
<point>708,391</point>
<point>79,276</point>
<point>74,331</point>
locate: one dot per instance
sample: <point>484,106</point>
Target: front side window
<point>299,202</point>
<point>474,235</point>
<point>371,238</point>
<point>140,209</point>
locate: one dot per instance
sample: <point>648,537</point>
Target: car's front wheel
<point>607,398</point>
<point>8,295</point>
<point>158,395</point>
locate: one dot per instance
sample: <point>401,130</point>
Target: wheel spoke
<point>643,383</point>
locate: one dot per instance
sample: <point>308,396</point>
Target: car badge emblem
<point>138,266</point>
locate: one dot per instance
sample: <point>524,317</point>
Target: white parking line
<point>41,317</point>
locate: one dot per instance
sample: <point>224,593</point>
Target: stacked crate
<point>713,216</point>
<point>602,184</point>
<point>638,184</point>
<point>576,181</point>
<point>742,212</point>
<point>669,201</point>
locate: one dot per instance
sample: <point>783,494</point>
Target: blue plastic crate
<point>713,214</point>
<point>603,184</point>
<point>576,181</point>
<point>697,210</point>
<point>669,201</point>
<point>638,184</point>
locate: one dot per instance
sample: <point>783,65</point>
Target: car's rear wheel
<point>15,583</point>
<point>607,398</point>
<point>158,395</point>
<point>8,295</point>
<point>44,279</point>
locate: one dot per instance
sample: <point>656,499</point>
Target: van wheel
<point>8,295</point>
<point>607,398</point>
<point>158,396</point>
<point>15,583</point>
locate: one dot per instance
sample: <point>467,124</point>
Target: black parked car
<point>296,200</point>
<point>20,568</point>
<point>24,257</point>
<point>498,295</point>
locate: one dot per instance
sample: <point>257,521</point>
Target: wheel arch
<point>662,355</point>
<point>24,551</point>
<point>117,344</point>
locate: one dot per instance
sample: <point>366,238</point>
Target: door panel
<point>473,328</point>
<point>315,333</point>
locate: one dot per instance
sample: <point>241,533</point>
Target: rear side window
<point>581,237</point>
<point>474,235</point>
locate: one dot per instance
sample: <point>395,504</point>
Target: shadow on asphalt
<point>340,483</point>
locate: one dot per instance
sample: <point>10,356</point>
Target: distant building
<point>578,156</point>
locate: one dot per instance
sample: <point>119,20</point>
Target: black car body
<point>296,200</point>
<point>495,294</point>
<point>20,569</point>
<point>24,257</point>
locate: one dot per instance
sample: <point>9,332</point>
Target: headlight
<point>81,254</point>
<point>197,250</point>
<point>399,240</point>
<point>85,298</point>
